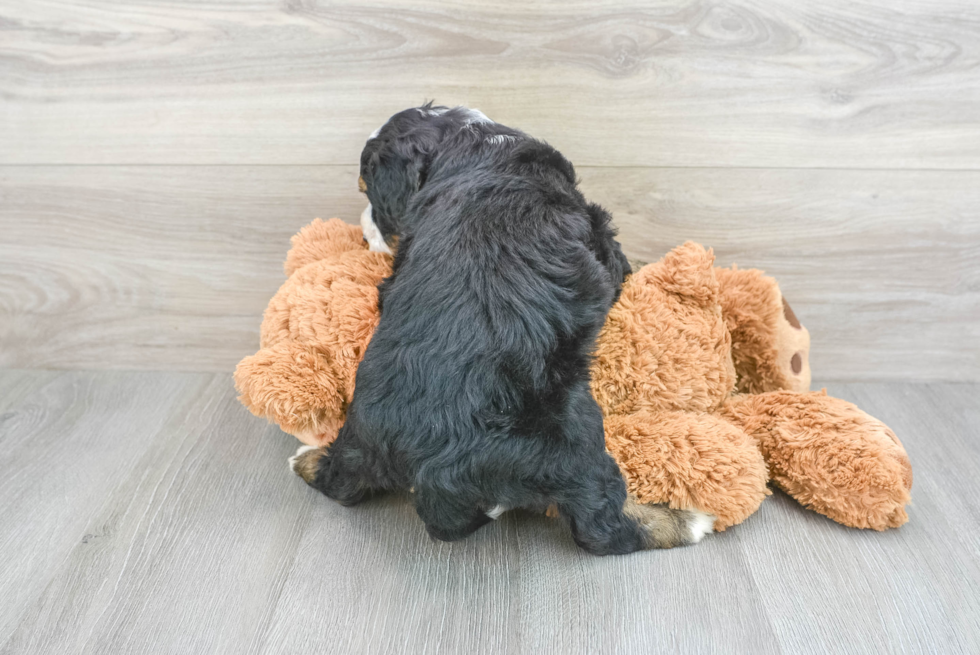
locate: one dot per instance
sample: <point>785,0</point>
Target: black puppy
<point>474,390</point>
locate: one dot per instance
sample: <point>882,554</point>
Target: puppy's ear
<point>395,177</point>
<point>606,248</point>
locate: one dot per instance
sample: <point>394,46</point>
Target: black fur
<point>474,390</point>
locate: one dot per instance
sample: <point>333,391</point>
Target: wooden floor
<point>149,513</point>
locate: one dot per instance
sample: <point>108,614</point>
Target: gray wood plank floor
<point>150,513</point>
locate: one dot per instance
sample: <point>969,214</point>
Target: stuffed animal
<point>702,375</point>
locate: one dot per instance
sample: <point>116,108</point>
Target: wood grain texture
<point>882,267</point>
<point>170,524</point>
<point>775,83</point>
<point>192,547</point>
<point>149,267</point>
<point>64,449</point>
<point>899,581</point>
<point>161,267</point>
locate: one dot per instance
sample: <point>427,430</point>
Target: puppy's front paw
<point>305,462</point>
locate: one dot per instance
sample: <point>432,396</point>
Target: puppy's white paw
<point>495,512</point>
<point>295,458</point>
<point>700,525</point>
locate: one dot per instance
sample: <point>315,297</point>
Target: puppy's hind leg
<point>593,497</point>
<point>338,470</point>
<point>605,521</point>
<point>448,516</point>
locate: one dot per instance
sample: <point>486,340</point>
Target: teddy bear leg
<point>829,455</point>
<point>688,459</point>
<point>337,471</point>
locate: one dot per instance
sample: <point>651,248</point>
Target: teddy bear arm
<point>770,348</point>
<point>296,388</point>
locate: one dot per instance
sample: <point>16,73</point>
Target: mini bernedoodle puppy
<point>474,390</point>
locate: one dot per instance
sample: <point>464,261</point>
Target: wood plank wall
<point>155,156</point>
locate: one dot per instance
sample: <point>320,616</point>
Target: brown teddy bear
<point>701,372</point>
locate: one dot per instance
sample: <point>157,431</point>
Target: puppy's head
<point>395,163</point>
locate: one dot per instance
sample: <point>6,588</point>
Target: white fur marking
<point>500,138</point>
<point>701,525</point>
<point>292,460</point>
<point>372,234</point>
<point>374,134</point>
<point>475,116</point>
<point>496,511</point>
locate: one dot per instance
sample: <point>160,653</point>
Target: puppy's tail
<point>663,527</point>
